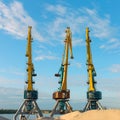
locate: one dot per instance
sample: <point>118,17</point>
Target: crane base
<point>31,94</point>
<point>61,95</point>
<point>29,106</point>
<point>61,109</point>
<point>93,97</point>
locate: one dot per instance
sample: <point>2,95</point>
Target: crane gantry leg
<point>29,107</point>
<point>93,101</point>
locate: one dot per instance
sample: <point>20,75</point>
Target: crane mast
<point>29,106</point>
<point>63,94</point>
<point>30,69</point>
<point>92,95</point>
<point>91,70</point>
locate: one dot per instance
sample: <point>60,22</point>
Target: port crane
<point>29,106</point>
<point>92,95</point>
<point>63,94</point>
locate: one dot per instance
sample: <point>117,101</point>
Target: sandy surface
<point>89,115</point>
<point>112,114</point>
<point>93,115</point>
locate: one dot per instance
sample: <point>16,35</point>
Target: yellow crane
<point>63,94</point>
<point>92,95</point>
<point>29,106</point>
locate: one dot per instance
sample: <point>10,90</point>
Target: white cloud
<point>13,71</point>
<point>76,64</point>
<point>10,82</point>
<point>14,20</point>
<point>48,54</point>
<point>57,9</point>
<point>84,16</point>
<point>100,26</point>
<point>112,44</point>
<point>102,46</point>
<point>115,68</point>
<point>77,42</point>
<point>45,57</point>
<point>16,23</point>
<point>78,20</point>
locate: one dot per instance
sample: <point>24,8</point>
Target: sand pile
<point>89,115</point>
<point>93,115</point>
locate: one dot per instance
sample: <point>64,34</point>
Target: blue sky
<point>49,20</point>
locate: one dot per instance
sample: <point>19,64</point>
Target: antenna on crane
<point>63,94</point>
<point>92,95</point>
<point>29,106</point>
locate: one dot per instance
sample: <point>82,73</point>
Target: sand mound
<point>89,115</point>
<point>92,115</point>
<point>71,116</point>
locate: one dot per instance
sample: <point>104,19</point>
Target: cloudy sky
<point>49,19</point>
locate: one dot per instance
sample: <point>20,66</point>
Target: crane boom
<point>91,69</point>
<point>68,45</point>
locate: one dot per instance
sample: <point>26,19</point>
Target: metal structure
<point>92,95</point>
<point>63,94</point>
<point>29,106</point>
